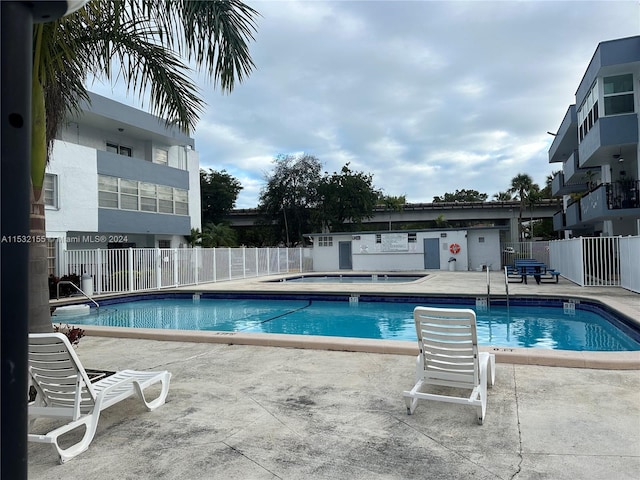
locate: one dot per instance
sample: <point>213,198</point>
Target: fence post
<point>268,261</point>
<point>244,262</point>
<point>300,251</point>
<point>215,273</point>
<point>195,264</point>
<point>175,266</point>
<point>229,258</point>
<point>130,268</point>
<point>99,271</point>
<point>257,261</point>
<point>159,261</point>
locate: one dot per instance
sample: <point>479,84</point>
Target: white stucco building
<point>407,250</point>
<point>119,177</point>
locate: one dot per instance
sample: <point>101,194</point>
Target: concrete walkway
<point>251,412</point>
<point>260,412</point>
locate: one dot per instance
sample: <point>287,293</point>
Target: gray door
<point>431,253</point>
<point>344,255</point>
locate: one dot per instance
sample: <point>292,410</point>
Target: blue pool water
<point>351,278</point>
<point>545,324</point>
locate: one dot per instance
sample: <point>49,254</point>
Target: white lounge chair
<point>65,391</point>
<point>449,357</point>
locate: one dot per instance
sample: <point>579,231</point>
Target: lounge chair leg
<point>412,403</point>
<point>480,416</point>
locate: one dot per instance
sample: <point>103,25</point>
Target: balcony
<point>618,199</point>
<point>573,174</point>
<point>572,216</point>
<point>138,169</point>
<point>623,195</point>
<point>559,221</point>
<point>606,135</point>
<point>566,139</point>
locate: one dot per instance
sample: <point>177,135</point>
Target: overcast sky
<point>428,97</point>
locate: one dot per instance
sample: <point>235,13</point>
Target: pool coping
<point>523,356</point>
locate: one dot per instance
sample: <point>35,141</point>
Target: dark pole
<point>15,186</point>
<point>17,19</point>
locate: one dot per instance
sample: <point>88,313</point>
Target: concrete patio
<point>261,412</point>
<point>250,412</point>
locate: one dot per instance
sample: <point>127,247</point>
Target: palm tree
<point>521,185</point>
<point>145,43</point>
<point>502,196</point>
<point>219,235</point>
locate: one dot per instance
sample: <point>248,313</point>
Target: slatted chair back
<point>59,378</point>
<point>448,343</point>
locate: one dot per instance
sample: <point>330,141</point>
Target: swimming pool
<point>530,323</point>
<point>352,278</point>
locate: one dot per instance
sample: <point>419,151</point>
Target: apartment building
<point>120,177</point>
<point>597,145</point>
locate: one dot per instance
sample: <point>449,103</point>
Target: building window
<point>618,94</point>
<point>107,191</point>
<point>180,202</point>
<point>480,239</point>
<point>119,149</point>
<point>378,238</point>
<point>161,156</point>
<point>165,199</point>
<point>148,197</point>
<point>51,190</point>
<point>164,243</point>
<point>588,112</point>
<point>325,241</point>
<point>413,238</point>
<point>126,194</point>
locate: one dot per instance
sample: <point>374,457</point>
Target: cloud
<point>427,96</point>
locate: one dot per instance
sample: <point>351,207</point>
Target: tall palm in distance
<point>144,43</point>
<point>502,196</point>
<point>521,186</point>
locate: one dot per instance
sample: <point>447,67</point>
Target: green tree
<point>291,194</point>
<point>441,222</point>
<point>521,186</point>
<point>151,45</point>
<point>346,196</point>
<point>463,195</point>
<point>546,191</point>
<point>502,196</point>
<point>218,235</point>
<point>194,238</point>
<point>218,193</point>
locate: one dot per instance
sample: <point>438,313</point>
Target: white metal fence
<point>136,269</point>
<point>512,251</point>
<point>630,263</point>
<point>598,261</point>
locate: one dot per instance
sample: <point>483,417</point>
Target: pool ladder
<point>67,282</point>
<point>506,285</point>
<point>483,303</point>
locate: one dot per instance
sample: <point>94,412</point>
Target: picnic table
<point>526,267</point>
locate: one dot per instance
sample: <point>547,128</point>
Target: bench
<point>529,267</point>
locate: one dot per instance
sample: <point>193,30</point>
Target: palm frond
<point>214,34</point>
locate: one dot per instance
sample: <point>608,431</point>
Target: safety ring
<point>454,248</point>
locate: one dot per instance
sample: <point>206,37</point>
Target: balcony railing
<point>623,194</point>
